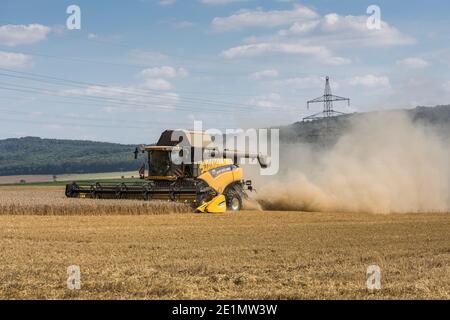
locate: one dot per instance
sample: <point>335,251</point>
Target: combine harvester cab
<point>212,183</point>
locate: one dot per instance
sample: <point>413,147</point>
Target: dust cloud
<point>384,163</point>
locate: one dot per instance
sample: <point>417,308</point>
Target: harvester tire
<point>234,201</point>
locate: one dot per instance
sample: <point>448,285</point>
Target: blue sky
<point>137,67</point>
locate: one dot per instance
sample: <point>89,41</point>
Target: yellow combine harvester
<point>212,183</point>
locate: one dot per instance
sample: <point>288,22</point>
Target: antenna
<point>327,100</point>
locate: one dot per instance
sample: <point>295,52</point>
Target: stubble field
<point>129,250</point>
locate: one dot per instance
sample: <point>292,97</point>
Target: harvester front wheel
<point>234,201</point>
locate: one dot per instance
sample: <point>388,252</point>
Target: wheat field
<point>35,200</point>
<point>130,253</point>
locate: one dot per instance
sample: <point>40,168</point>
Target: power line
<point>78,124</point>
<point>144,66</point>
<point>73,124</point>
<point>91,104</point>
<point>114,101</point>
<point>10,111</point>
<point>122,65</point>
<point>183,57</point>
<point>134,91</point>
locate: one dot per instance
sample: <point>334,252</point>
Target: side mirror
<point>263,161</point>
<point>140,148</point>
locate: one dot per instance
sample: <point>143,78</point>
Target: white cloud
<point>259,18</point>
<point>156,78</point>
<point>413,63</point>
<point>266,101</point>
<point>269,73</point>
<point>14,35</point>
<point>316,35</point>
<point>352,30</point>
<point>100,91</point>
<point>320,53</point>
<point>157,84</point>
<point>250,50</point>
<point>339,31</point>
<point>299,28</point>
<point>136,96</point>
<point>164,72</point>
<point>370,81</point>
<point>14,60</point>
<point>337,61</point>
